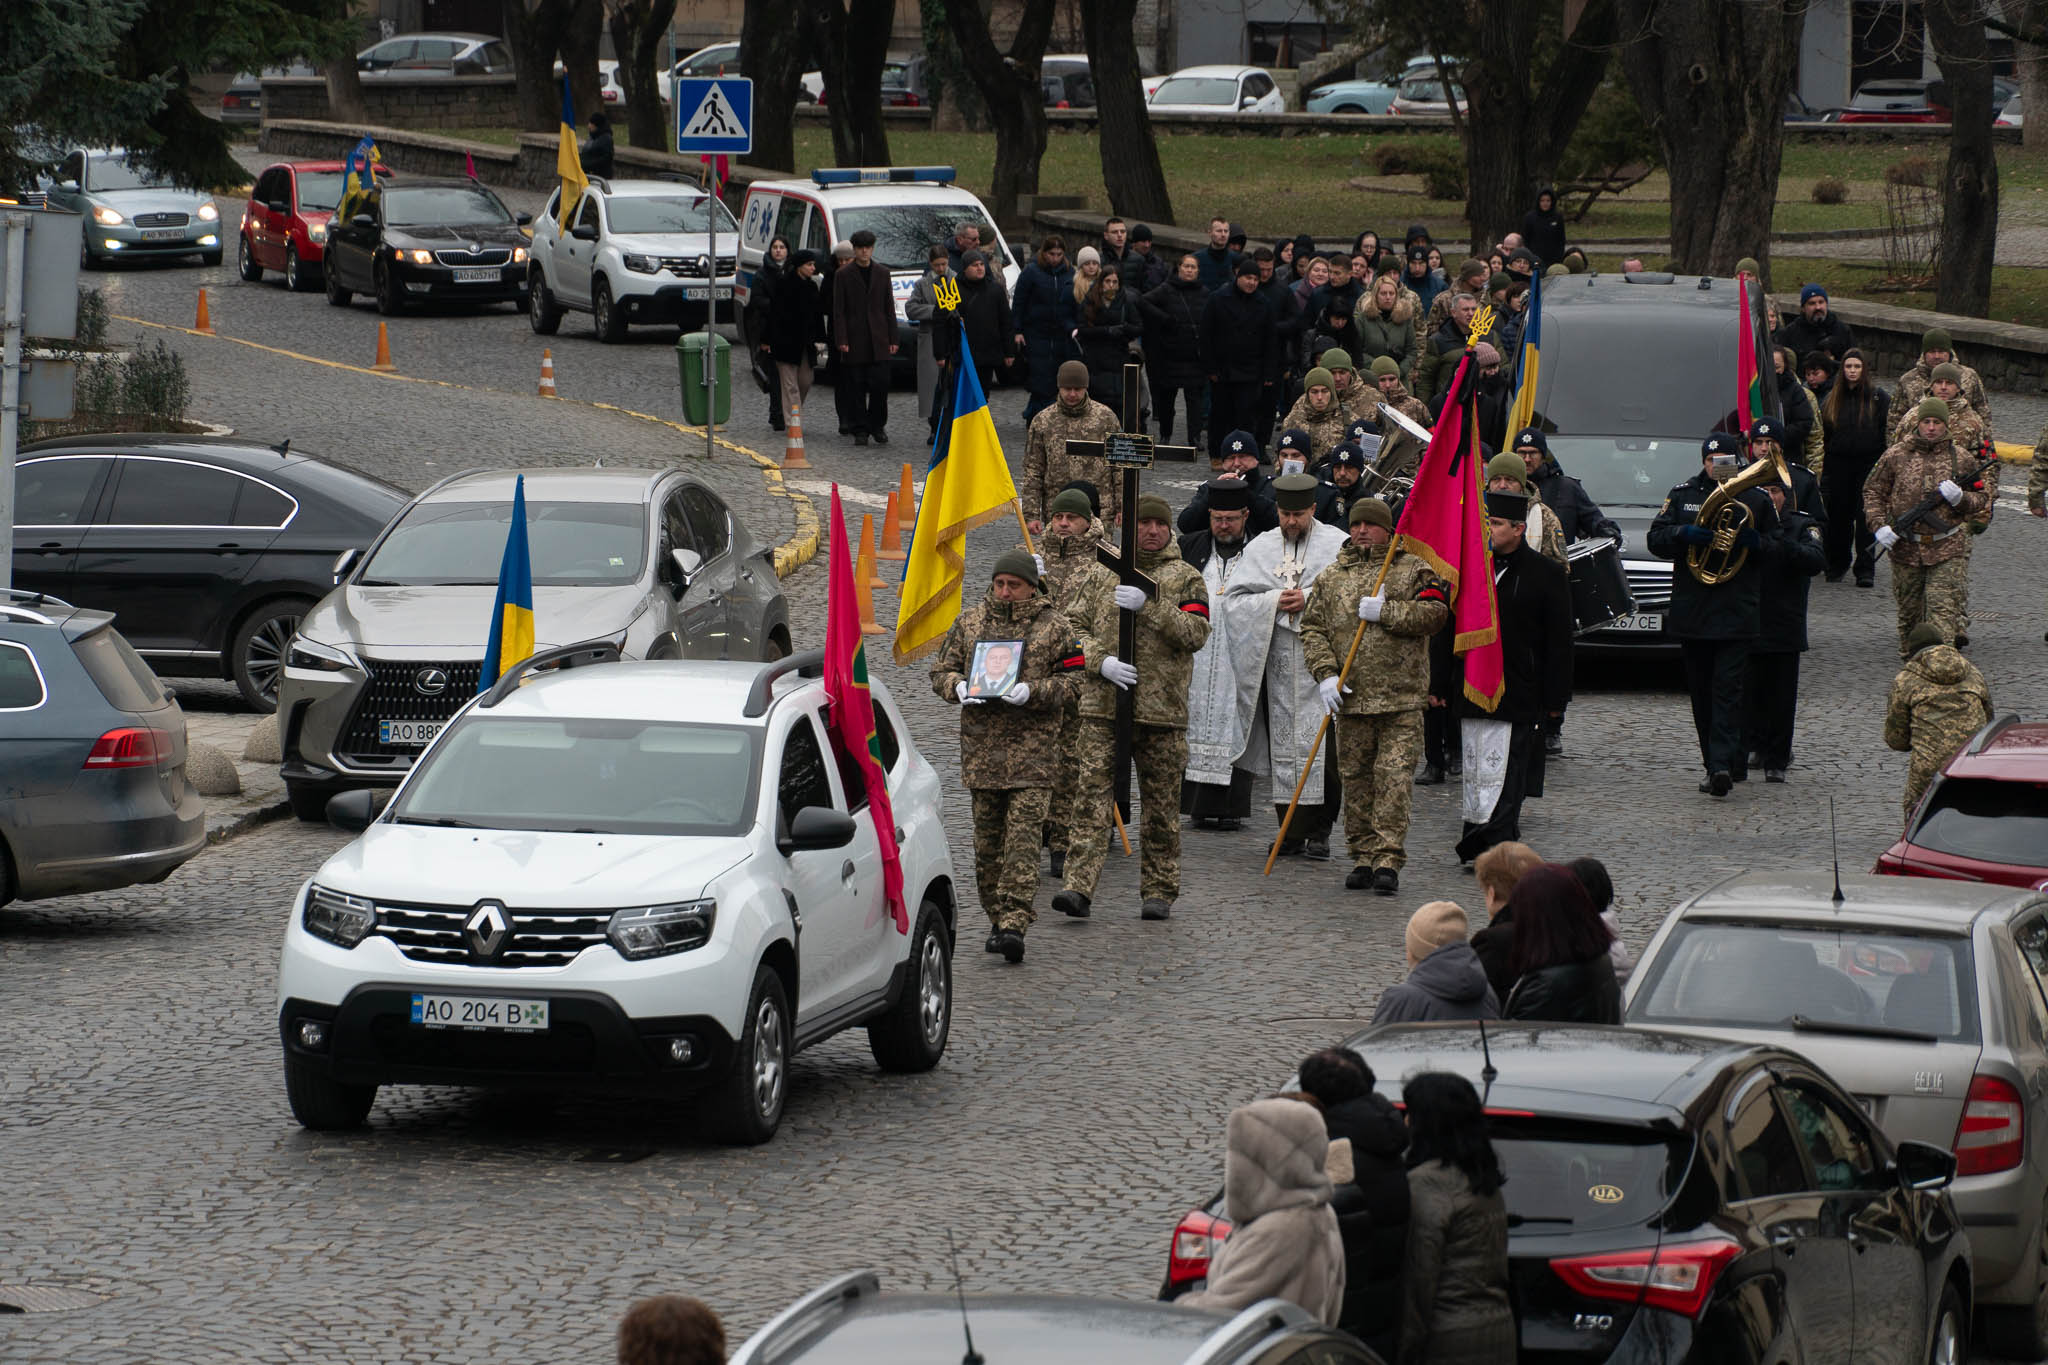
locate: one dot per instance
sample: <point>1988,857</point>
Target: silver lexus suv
<point>652,560</point>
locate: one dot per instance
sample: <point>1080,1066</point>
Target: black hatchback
<point>427,241</point>
<point>1675,1198</point>
<point>208,551</point>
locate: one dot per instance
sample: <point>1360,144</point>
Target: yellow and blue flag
<point>967,485</point>
<point>569,163</point>
<point>511,637</point>
<point>1528,362</point>
<point>359,175</point>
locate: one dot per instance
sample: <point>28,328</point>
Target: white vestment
<point>1265,645</point>
<point>1216,727</point>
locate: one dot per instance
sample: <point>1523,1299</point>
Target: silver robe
<point>1265,645</point>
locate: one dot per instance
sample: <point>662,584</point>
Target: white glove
<point>960,692</point>
<point>1950,490</point>
<point>1119,672</point>
<point>1885,536</point>
<point>1333,690</point>
<point>1129,598</point>
<point>1039,560</point>
<point>1018,694</point>
<point>1369,608</point>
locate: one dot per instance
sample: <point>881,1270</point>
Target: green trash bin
<point>690,358</point>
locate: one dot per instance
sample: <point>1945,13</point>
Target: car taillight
<point>230,101</point>
<point>1678,1276</point>
<point>1992,1135</point>
<point>130,747</point>
<point>1195,1242</point>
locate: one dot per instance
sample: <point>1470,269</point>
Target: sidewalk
<point>216,717</point>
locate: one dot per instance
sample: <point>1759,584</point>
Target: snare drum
<point>1600,594</point>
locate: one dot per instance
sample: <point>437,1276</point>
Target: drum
<point>1600,594</point>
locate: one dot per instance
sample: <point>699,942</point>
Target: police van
<point>908,208</point>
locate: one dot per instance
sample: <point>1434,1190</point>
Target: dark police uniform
<point>1791,559</point>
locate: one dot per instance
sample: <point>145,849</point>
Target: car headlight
<point>338,917</point>
<point>106,217</point>
<point>656,930</point>
<point>310,654</point>
<point>317,231</point>
<point>418,256</point>
<point>208,212</point>
<point>519,255</point>
<point>642,265</point>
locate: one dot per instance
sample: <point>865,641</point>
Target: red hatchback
<point>1984,818</point>
<point>284,227</point>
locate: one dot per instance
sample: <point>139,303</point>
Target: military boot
<point>1155,908</point>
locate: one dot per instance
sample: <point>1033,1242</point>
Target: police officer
<point>1342,485</point>
<point>1790,560</point>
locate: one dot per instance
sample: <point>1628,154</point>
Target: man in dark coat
<point>1815,329</point>
<point>1218,262</point>
<point>1535,600</point>
<point>1147,269</point>
<point>1578,516</point>
<point>596,157</point>
<point>1241,352</point>
<point>1543,228</point>
<point>1173,347</point>
<point>1241,460</point>
<point>984,318</point>
<point>864,334</point>
<point>1038,310</point>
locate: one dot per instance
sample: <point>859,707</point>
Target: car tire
<point>1950,1337</point>
<point>6,874</point>
<point>2019,1333</point>
<point>295,277</point>
<point>605,316</point>
<point>88,259</point>
<point>746,1105</point>
<point>389,301</point>
<point>322,1103</point>
<point>245,259</point>
<point>256,655</point>
<point>336,295</point>
<point>543,314</point>
<point>912,1036</point>
<point>309,800</point>
<point>213,258</point>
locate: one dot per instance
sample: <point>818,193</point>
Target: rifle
<point>1934,502</point>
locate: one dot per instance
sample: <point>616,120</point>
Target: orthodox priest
<point>1216,792</point>
<point>1277,697</point>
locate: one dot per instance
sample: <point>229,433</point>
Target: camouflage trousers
<point>1007,821</point>
<point>1159,755</point>
<point>1059,814</point>
<point>1376,758</point>
<point>1934,592</point>
<point>1920,770</point>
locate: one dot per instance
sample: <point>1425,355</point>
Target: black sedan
<point>427,241</point>
<point>208,551</point>
<point>1676,1198</point>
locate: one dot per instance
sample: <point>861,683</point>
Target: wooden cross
<point>1128,451</point>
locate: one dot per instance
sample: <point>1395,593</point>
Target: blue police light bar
<point>882,175</point>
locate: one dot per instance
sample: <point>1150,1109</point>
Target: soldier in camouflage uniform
<point>1074,578</point>
<point>1507,472</point>
<point>1938,701</point>
<point>1400,454</point>
<point>1354,395</point>
<point>1916,383</point>
<point>1172,625</point>
<point>1930,562</point>
<point>1009,745</point>
<point>2037,478</point>
<point>1379,710</point>
<point>1971,432</point>
<point>1048,467</point>
<point>1319,413</point>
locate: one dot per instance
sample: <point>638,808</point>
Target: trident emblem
<point>1482,323</point>
<point>948,292</point>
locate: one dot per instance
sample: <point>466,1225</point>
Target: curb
<point>242,821</point>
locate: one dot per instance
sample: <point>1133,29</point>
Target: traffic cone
<point>793,452</point>
<point>547,374</point>
<point>384,365</point>
<point>864,578</point>
<point>892,534</point>
<point>203,323</point>
<point>867,551</point>
<point>906,504</point>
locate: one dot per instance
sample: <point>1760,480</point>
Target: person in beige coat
<point>1284,1241</point>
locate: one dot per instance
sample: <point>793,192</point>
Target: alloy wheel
<point>769,1050</point>
<point>933,989</point>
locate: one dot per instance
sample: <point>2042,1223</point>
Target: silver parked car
<point>130,210</point>
<point>1925,999</point>
<point>651,560</point>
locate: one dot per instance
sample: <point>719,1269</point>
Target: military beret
<point>1350,455</point>
<point>1507,506</point>
<point>1294,438</point>
<point>1295,492</point>
<point>1073,375</point>
<point>1926,635</point>
<point>1507,465</point>
<point>1372,510</point>
<point>1242,442</point>
<point>1072,501</point>
<point>1948,370</point>
<point>1228,495</point>
<point>1018,563</point>
<point>1318,375</point>
<point>1936,339</point>
<point>1931,407</point>
<point>1337,358</point>
<point>1384,365</point>
<point>1767,428</point>
<point>1152,507</point>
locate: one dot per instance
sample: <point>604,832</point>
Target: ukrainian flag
<point>967,485</point>
<point>511,637</point>
<point>568,164</point>
<point>1528,362</point>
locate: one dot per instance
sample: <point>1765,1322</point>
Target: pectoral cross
<point>1128,451</point>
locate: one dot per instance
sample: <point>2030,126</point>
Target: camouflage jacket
<point>1048,467</point>
<point>1815,454</point>
<point>1913,385</point>
<point>1391,672</point>
<point>1550,542</point>
<point>1400,454</point>
<point>1171,627</point>
<point>1965,424</point>
<point>1910,471</point>
<point>1938,701</point>
<point>1004,745</point>
<point>1075,579</point>
<point>1359,401</point>
<point>2037,478</point>
<point>1325,429</point>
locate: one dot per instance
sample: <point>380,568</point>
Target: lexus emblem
<point>486,929</point>
<point>430,682</point>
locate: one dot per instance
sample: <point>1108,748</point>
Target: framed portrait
<point>993,671</point>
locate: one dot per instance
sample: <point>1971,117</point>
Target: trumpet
<point>1727,516</point>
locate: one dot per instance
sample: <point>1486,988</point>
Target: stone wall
<point>2011,358</point>
<point>403,101</point>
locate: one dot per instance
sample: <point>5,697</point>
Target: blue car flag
<point>510,641</point>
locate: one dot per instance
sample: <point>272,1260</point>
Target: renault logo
<point>704,265</point>
<point>430,682</point>
<point>486,929</point>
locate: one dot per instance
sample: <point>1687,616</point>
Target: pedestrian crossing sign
<point>714,114</point>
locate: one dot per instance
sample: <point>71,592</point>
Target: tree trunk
<point>1713,80</point>
<point>638,28</point>
<point>581,28</point>
<point>344,83</point>
<point>1009,87</point>
<point>1130,158</point>
<point>854,45</point>
<point>772,56</point>
<point>2032,61</point>
<point>533,30</point>
<point>1969,184</point>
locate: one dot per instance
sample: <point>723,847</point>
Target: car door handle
<point>846,871</point>
<point>230,546</point>
<point>1784,1240</point>
<point>51,545</point>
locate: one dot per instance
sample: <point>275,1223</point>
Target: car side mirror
<point>583,232</point>
<point>278,206</point>
<point>1924,1166</point>
<point>688,563</point>
<point>71,185</point>
<point>345,561</point>
<point>815,827</point>
<point>354,810</point>
<point>1248,101</point>
<point>522,219</point>
<point>364,222</point>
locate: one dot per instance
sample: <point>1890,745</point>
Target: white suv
<point>636,251</point>
<point>574,888</point>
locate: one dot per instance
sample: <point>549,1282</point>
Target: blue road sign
<point>714,114</point>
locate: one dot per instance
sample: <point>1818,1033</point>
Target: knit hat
<point>1293,440</point>
<point>1087,255</point>
<point>1088,491</point>
<point>1071,501</point>
<point>1418,253</point>
<point>1295,492</point>
<point>973,256</point>
<point>1358,431</point>
<point>1228,494</point>
<point>1241,442</point>
<point>1767,428</point>
<point>1523,256</point>
<point>1318,375</point>
<point>1073,375</point>
<point>1936,339</point>
<point>1931,407</point>
<point>1530,436</point>
<point>1484,355</point>
<point>1811,291</point>
<point>1575,261</point>
<point>1372,510</point>
<point>1748,266</point>
<point>1559,269</point>
<point>1141,233</point>
<point>1507,465</point>
<point>1436,925</point>
<point>1948,370</point>
<point>1018,563</point>
<point>1507,506</point>
<point>1246,266</point>
<point>1152,507</point>
<point>1719,443</point>
<point>1349,454</point>
<point>1499,281</point>
<point>1384,365</point>
<point>1337,358</point>
<point>1923,636</point>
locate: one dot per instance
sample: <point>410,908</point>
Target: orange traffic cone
<point>867,551</point>
<point>793,452</point>
<point>384,365</point>
<point>547,374</point>
<point>906,504</point>
<point>203,323</point>
<point>892,534</point>
<point>864,579</point>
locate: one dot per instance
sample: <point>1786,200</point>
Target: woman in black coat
<point>1107,326</point>
<point>984,315</point>
<point>1561,964</point>
<point>1370,1194</point>
<point>1038,311</point>
<point>768,274</point>
<point>1543,228</point>
<point>795,328</point>
<point>1173,345</point>
<point>1854,416</point>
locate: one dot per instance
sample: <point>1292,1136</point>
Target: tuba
<point>1727,517</point>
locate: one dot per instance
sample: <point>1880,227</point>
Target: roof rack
<point>567,656</point>
<point>11,611</point>
<point>1248,1328</point>
<point>1991,730</point>
<point>32,598</point>
<point>809,664</point>
<point>798,1321</point>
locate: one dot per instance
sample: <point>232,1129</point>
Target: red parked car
<point>1984,818</point>
<point>284,228</point>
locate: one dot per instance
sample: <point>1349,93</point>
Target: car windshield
<point>1626,471</point>
<point>1991,822</point>
<point>667,213</point>
<point>1218,90</point>
<point>904,232</point>
<point>117,173</point>
<point>571,544</point>
<point>319,191</point>
<point>1888,96</point>
<point>595,776</point>
<point>443,206</point>
<point>1769,975</point>
<point>1427,88</point>
<point>1565,1177</point>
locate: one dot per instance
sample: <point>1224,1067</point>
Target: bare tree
<point>344,83</point>
<point>1130,158</point>
<point>853,38</point>
<point>580,33</point>
<point>772,56</point>
<point>638,28</point>
<point>2026,23</point>
<point>534,30</point>
<point>1010,88</point>
<point>1969,183</point>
